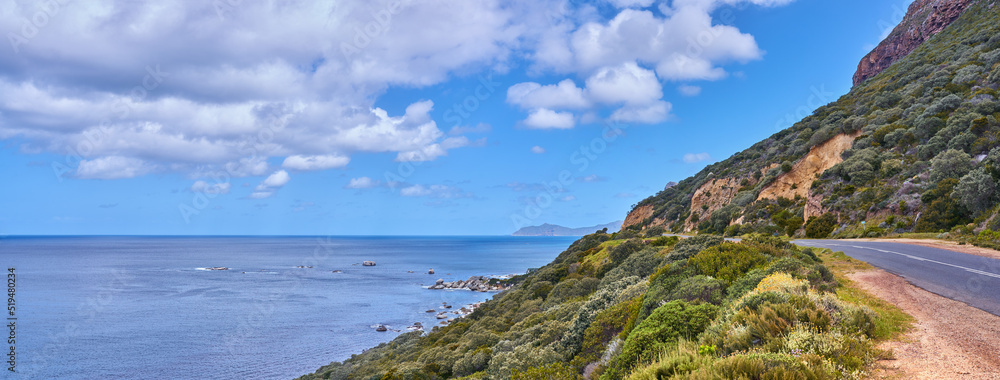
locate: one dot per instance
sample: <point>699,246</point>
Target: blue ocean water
<point>141,307</point>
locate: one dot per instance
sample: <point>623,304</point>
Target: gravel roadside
<point>950,340</point>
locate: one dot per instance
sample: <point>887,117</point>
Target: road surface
<point>971,279</point>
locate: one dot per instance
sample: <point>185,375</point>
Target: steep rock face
<point>638,215</point>
<point>923,20</point>
<point>798,181</point>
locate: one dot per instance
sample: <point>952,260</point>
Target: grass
<point>892,322</point>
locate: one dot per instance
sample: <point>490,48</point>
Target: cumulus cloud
<point>122,91</point>
<point>112,167</point>
<point>362,183</point>
<point>270,185</point>
<point>688,90</point>
<point>537,150</point>
<point>434,191</point>
<point>532,95</point>
<point>631,3</point>
<point>213,188</point>
<point>648,114</point>
<point>692,158</point>
<point>544,118</point>
<point>322,162</point>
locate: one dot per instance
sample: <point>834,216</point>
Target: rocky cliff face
<point>923,20</point>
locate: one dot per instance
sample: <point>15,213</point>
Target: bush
<point>951,163</point>
<point>619,253</point>
<point>728,261</point>
<point>691,246</point>
<point>941,211</point>
<point>699,288</point>
<point>820,227</point>
<point>667,324</point>
<point>655,231</point>
<point>977,191</point>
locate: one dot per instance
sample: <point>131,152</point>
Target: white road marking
<point>970,270</point>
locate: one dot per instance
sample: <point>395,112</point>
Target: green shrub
<point>691,246</point>
<point>699,289</point>
<point>667,324</point>
<point>951,163</point>
<point>622,251</point>
<point>820,227</point>
<point>941,211</point>
<point>977,191</point>
<point>728,261</point>
<point>655,231</point>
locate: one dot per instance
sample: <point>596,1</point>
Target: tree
<point>951,163</point>
<point>821,227</point>
<point>977,191</point>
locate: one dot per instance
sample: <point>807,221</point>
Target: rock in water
<point>381,328</point>
<point>368,263</point>
<point>431,271</point>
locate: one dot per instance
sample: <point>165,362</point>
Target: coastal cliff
<point>923,20</point>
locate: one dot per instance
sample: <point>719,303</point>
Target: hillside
<point>911,149</point>
<point>555,230</point>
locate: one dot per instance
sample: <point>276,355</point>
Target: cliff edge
<point>924,19</point>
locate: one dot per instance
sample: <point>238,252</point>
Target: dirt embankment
<point>950,340</point>
<point>713,195</point>
<point>798,181</point>
<point>638,215</point>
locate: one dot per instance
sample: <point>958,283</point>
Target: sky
<point>433,117</point>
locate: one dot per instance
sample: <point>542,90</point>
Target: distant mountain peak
<point>547,229</point>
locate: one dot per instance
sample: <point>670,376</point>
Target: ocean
<point>147,307</point>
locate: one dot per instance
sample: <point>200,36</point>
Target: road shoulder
<point>936,338</point>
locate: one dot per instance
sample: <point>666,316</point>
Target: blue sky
<point>395,118</point>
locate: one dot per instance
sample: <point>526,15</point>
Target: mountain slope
<point>555,230</point>
<point>922,135</point>
<point>904,148</point>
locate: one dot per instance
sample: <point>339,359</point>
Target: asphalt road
<point>971,279</point>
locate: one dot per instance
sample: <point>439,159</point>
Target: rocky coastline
<point>474,283</point>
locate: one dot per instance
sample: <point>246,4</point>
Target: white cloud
<point>112,167</point>
<point>692,158</point>
<point>270,185</point>
<point>362,183</point>
<point>548,119</point>
<point>568,198</point>
<point>264,88</point>
<point>537,150</point>
<point>688,90</point>
<point>626,83</point>
<point>207,188</point>
<point>649,114</point>
<point>593,178</point>
<point>631,3</point>
<point>433,191</point>
<point>322,162</point>
<point>532,95</point>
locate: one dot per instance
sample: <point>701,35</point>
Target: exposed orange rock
<point>638,215</point>
<point>798,181</point>
<point>714,194</point>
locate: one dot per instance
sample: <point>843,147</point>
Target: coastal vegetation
<point>615,306</point>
